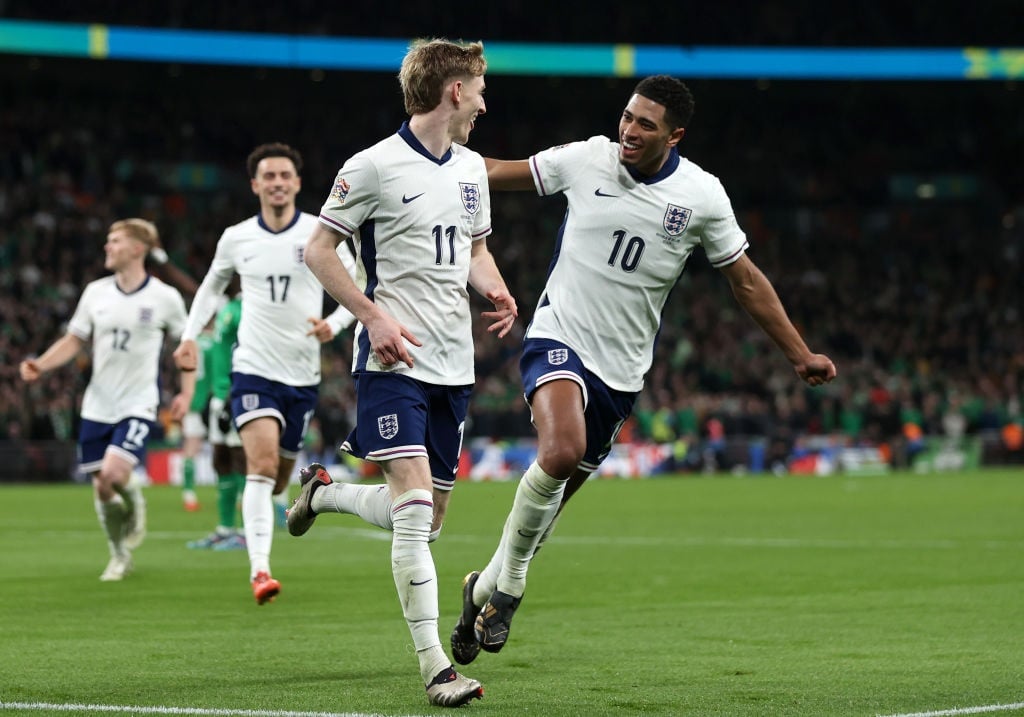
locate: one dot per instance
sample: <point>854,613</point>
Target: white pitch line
<point>962,711</point>
<point>157,710</point>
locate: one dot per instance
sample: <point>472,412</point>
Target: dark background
<point>918,299</point>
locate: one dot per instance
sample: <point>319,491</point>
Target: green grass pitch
<point>860,596</point>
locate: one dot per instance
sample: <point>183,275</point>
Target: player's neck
<point>277,218</point>
<point>431,129</point>
<point>131,278</point>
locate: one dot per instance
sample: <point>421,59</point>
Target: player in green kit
<point>228,456</point>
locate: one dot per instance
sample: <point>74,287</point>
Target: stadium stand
<point>890,216</point>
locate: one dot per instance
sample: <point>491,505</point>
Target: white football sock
<point>416,578</point>
<point>372,503</point>
<point>112,514</point>
<point>537,499</point>
<point>258,517</point>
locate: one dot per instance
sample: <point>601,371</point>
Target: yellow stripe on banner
<point>99,42</point>
<point>983,64</point>
<point>624,60</point>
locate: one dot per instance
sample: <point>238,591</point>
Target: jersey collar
<point>410,139</point>
<point>264,227</point>
<point>139,288</point>
<point>666,169</point>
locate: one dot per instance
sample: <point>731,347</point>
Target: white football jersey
<point>279,296</point>
<point>413,219</point>
<point>622,248</point>
<point>127,333</point>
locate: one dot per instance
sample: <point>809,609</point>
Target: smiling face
<point>470,93</point>
<point>276,183</point>
<point>645,138</point>
<point>122,250</point>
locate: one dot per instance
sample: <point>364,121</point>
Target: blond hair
<point>430,64</point>
<point>139,229</point>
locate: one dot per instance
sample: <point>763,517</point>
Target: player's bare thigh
<point>557,408</point>
<point>261,439</point>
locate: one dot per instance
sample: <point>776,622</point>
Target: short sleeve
<point>555,169</point>
<point>355,196</point>
<point>81,321</point>
<point>721,236</point>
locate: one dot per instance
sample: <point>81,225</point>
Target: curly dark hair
<point>673,94</point>
<point>272,149</point>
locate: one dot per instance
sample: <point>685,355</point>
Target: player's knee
<point>559,459</point>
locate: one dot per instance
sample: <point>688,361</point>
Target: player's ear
<point>455,92</point>
<point>252,185</point>
<point>676,136</point>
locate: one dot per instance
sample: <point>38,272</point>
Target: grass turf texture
<point>689,596</point>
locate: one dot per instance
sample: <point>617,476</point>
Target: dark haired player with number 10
<point>637,209</point>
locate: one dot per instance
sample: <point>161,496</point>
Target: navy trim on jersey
<point>264,227</point>
<point>666,169</point>
<point>142,286</point>
<point>367,255</point>
<point>410,139</point>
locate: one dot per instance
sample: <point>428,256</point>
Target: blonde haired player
<point>417,207</point>
<point>126,316</point>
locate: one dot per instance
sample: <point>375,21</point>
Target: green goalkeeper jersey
<point>225,336</point>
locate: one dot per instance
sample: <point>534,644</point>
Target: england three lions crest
<point>557,357</point>
<point>388,425</point>
<point>676,219</point>
<point>470,196</point>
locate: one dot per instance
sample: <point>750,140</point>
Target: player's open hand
<point>186,356</point>
<point>321,329</point>
<point>504,314</point>
<point>817,370</point>
<point>387,340</point>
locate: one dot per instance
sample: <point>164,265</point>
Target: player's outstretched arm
<point>485,278</point>
<point>509,175</point>
<point>758,297</point>
<point>60,352</point>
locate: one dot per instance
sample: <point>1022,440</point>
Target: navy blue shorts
<point>255,397</point>
<point>400,417</point>
<point>604,408</point>
<point>127,438</point>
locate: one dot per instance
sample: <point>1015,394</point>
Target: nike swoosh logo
<point>248,258</point>
<point>406,200</point>
<point>526,535</point>
<point>599,193</point>
<point>416,584</point>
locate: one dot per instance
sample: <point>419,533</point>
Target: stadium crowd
<point>889,217</point>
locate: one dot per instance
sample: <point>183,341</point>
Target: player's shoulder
<point>161,288</point>
<point>241,229</point>
<point>593,151</point>
<point>466,154</point>
<point>694,172</point>
<point>306,219</point>
<point>104,283</point>
<point>380,151</point>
